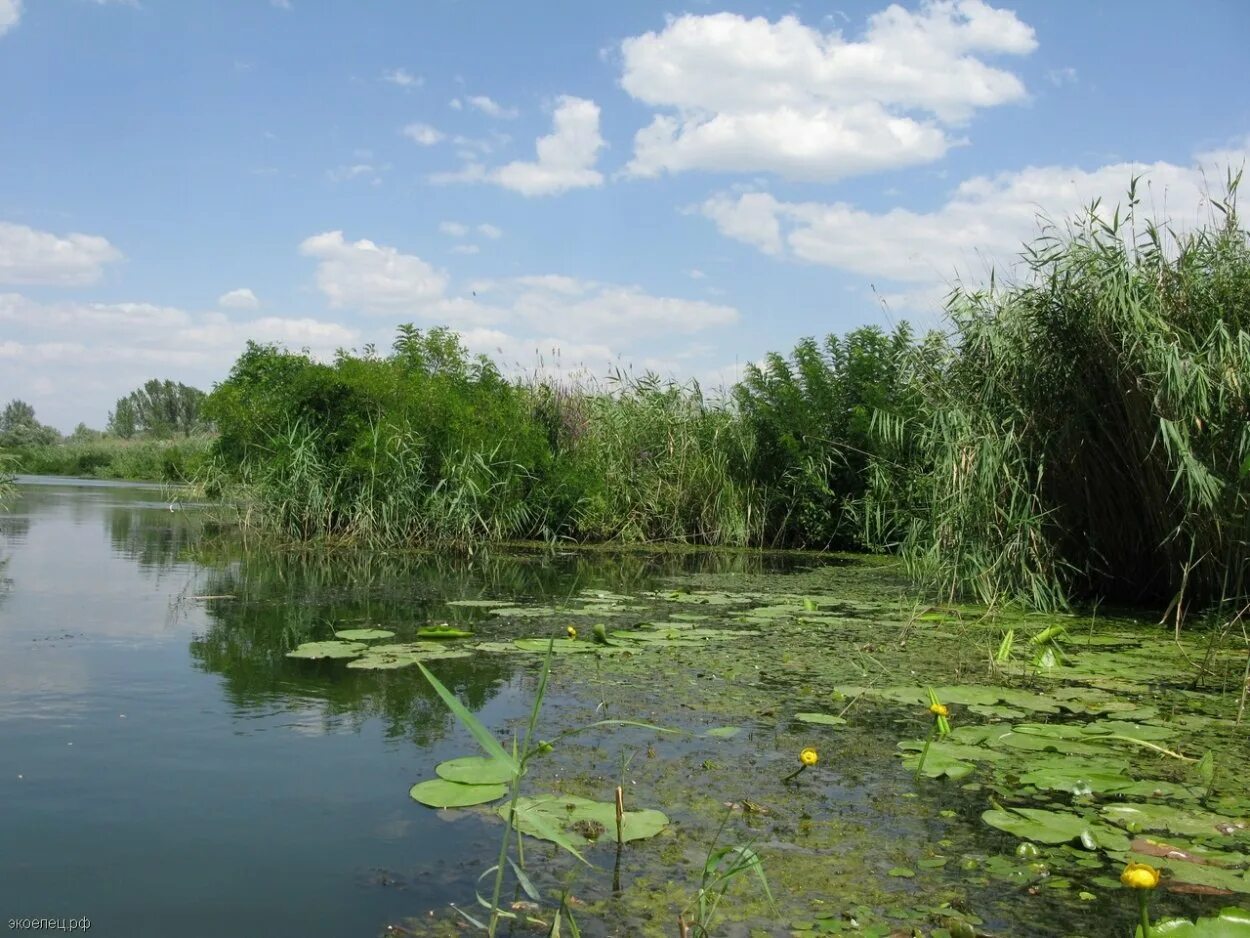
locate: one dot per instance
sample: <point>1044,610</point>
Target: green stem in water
<point>1143,902</point>
<point>795,774</point>
<point>924,753</point>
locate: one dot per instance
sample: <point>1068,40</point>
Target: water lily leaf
<point>481,603</point>
<point>724,732</point>
<point>825,719</point>
<point>1162,817</point>
<point>363,635</point>
<point>581,820</point>
<point>475,770</point>
<point>442,631</point>
<point>1077,779</point>
<point>560,646</point>
<point>954,760</point>
<point>328,650</point>
<point>1038,824</point>
<point>441,793</point>
<point>1230,923</point>
<point>1132,730</point>
<point>1201,874</point>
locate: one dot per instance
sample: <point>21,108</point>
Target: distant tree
<point>18,427</point>
<point>159,408</point>
<point>84,434</point>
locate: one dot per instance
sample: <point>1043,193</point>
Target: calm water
<point>165,767</point>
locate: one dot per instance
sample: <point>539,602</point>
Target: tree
<point>159,408</point>
<point>18,427</point>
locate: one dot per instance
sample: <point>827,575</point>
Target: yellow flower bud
<point>1140,876</point>
<point>938,709</point>
<point>572,632</point>
<point>808,756</point>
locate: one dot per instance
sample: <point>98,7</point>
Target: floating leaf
<point>1050,827</point>
<point>441,793</point>
<point>363,635</point>
<point>328,650</point>
<point>825,719</point>
<point>1162,817</point>
<point>1230,923</point>
<point>579,818</point>
<point>442,631</point>
<point>724,732</point>
<point>475,770</point>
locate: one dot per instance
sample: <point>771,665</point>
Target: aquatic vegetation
<point>941,729</point>
<point>1142,878</point>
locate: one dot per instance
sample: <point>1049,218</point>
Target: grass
<point>1081,433</point>
<point>176,460</point>
<point>1087,431</point>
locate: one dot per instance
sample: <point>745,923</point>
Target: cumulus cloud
<point>423,134</point>
<point>62,355</point>
<point>487,106</point>
<point>487,230</point>
<point>403,78</point>
<point>370,277</point>
<point>10,13</point>
<point>983,222</point>
<point>28,256</point>
<point>242,298</point>
<point>566,157</point>
<point>454,228</point>
<point>748,95</point>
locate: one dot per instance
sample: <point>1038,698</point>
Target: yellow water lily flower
<point>938,709</point>
<point>572,632</point>
<point>1140,876</point>
<point>809,756</point>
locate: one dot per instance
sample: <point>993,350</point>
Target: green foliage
<point>19,428</point>
<point>810,419</point>
<point>1087,431</point>
<point>158,409</point>
<point>112,458</point>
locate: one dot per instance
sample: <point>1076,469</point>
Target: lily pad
<point>474,770</point>
<point>1051,827</point>
<point>442,631</point>
<point>363,635</point>
<point>441,793</point>
<point>1162,817</point>
<point>575,818</point>
<point>825,719</point>
<point>334,649</point>
<point>1230,923</point>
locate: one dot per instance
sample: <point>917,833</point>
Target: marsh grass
<point>145,460</point>
<point>1087,431</point>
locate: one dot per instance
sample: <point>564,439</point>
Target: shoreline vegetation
<point>1083,433</point>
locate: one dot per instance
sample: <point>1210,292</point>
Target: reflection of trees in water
<point>283,599</point>
<point>280,599</point>
<point>152,538</point>
<point>14,528</point>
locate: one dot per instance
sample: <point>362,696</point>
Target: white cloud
<point>423,134</point>
<point>455,104</point>
<point>403,78</point>
<point>371,277</point>
<point>28,256</point>
<point>362,171</point>
<point>487,230</point>
<point>281,4</point>
<point>490,107</point>
<point>71,360</point>
<point>983,223</point>
<point>454,228</point>
<point>747,95</point>
<point>242,298</point>
<point>1062,76</point>
<point>566,156</point>
<point>466,249</point>
<point>10,13</point>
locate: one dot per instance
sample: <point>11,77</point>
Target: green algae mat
<point>1070,747</point>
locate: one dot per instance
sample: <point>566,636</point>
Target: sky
<point>574,187</point>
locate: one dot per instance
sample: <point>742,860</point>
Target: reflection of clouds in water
<point>40,686</point>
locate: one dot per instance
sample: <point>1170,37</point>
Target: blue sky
<point>682,188</point>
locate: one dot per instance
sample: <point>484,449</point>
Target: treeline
<point>1083,432</point>
<point>141,440</point>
